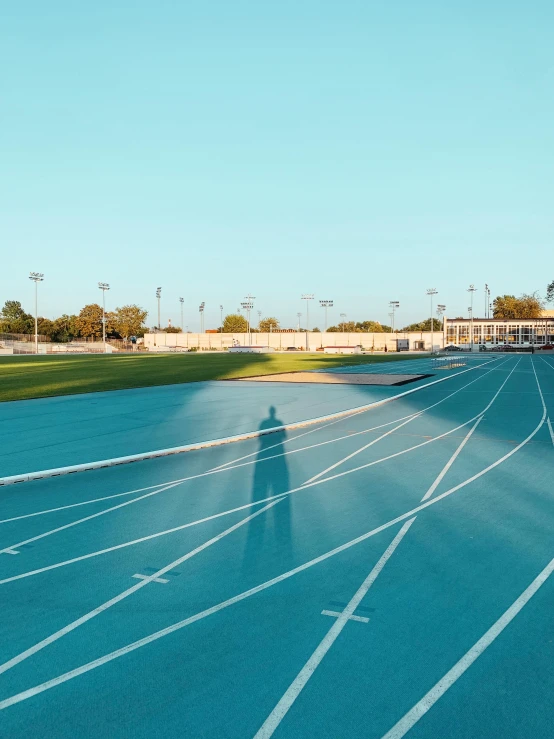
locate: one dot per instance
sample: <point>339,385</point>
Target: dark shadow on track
<point>270,478</point>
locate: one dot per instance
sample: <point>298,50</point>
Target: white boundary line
<point>246,594</point>
<point>448,680</point>
<point>55,472</point>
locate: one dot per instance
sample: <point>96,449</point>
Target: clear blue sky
<point>362,151</point>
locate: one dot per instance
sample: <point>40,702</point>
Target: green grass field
<point>24,377</point>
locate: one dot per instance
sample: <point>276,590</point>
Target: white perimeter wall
<point>282,341</point>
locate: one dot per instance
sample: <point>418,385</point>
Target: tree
<point>65,328</point>
<point>234,323</point>
<point>372,327</point>
<point>550,292</point>
<point>129,321</point>
<point>424,325</point>
<point>15,320</point>
<point>269,324</point>
<point>507,307</point>
<point>316,330</point>
<point>89,322</point>
<point>45,327</point>
<point>169,330</point>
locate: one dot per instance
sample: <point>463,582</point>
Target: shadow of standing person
<point>271,477</point>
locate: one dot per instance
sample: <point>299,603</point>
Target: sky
<point>359,151</point>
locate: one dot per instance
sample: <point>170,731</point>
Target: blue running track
<point>383,574</point>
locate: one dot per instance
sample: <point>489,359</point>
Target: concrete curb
<point>58,471</point>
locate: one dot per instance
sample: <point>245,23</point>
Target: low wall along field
<point>312,341</point>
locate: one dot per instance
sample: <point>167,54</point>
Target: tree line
<point>122,323</point>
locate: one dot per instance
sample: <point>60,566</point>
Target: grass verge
<point>25,377</point>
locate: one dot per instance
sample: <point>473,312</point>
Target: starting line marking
<point>338,614</point>
<point>151,578</point>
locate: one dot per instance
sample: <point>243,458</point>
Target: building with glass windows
<point>494,331</point>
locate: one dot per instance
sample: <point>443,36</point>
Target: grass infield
<point>24,377</point>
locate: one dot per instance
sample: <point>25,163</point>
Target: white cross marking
<point>10,551</point>
<point>151,578</point>
<point>336,614</point>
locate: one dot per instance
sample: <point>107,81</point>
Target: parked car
<point>546,348</point>
<point>504,348</point>
<point>292,349</point>
<point>452,348</point>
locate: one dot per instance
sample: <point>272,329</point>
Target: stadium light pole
<point>248,304</point>
<point>299,316</point>
<point>486,298</point>
<point>307,297</point>
<point>201,311</point>
<point>471,289</point>
<point>326,304</point>
<point>221,314</point>
<point>104,286</point>
<point>343,316</point>
<point>259,318</point>
<point>36,277</point>
<point>158,296</point>
<point>440,310</point>
<point>430,292</point>
<point>182,300</point>
<point>394,304</point>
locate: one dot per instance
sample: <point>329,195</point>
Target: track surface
<point>382,574</point>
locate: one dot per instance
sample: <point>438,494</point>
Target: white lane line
<point>451,461</point>
<point>550,429</point>
<point>126,593</point>
<point>301,488</point>
<point>257,589</point>
<point>77,505</point>
<point>411,418</point>
<point>221,468</point>
<point>295,688</point>
<point>337,614</point>
<point>448,680</point>
<point>361,449</point>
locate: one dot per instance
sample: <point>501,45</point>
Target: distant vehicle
<point>546,347</point>
<point>452,348</point>
<point>504,348</point>
<point>292,349</point>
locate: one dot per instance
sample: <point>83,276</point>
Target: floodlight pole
<point>430,292</point>
<point>394,304</point>
<point>326,304</point>
<point>471,289</point>
<point>440,310</point>
<point>104,286</point>
<point>307,297</point>
<point>36,277</point>
<point>299,316</point>
<point>158,296</point>
<point>343,316</point>
<point>221,313</point>
<point>182,300</point>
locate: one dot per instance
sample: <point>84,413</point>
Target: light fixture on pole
<point>201,310</point>
<point>440,311</point>
<point>394,304</point>
<point>326,304</point>
<point>343,322</point>
<point>259,318</point>
<point>104,286</point>
<point>182,300</point>
<point>307,297</point>
<point>248,304</point>
<point>299,316</point>
<point>158,296</point>
<point>430,292</point>
<point>36,277</point>
<point>471,289</point>
<point>486,299</point>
